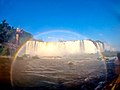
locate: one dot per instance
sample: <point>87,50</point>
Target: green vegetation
<point>6,32</point>
<point>35,57</point>
<point>23,57</point>
<point>19,58</point>
<point>7,38</point>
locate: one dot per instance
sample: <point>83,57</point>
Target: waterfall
<point>38,48</point>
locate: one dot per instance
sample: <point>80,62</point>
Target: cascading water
<point>52,48</point>
<point>38,48</point>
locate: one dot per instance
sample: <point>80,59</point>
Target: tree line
<point>7,37</point>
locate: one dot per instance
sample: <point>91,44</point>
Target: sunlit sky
<point>95,19</point>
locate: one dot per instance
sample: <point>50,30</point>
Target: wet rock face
<point>110,70</point>
<point>118,55</point>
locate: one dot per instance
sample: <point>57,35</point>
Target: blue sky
<point>95,19</point>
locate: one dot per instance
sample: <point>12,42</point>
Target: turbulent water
<point>55,72</point>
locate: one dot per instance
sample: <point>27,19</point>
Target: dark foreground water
<point>5,66</point>
<point>54,73</point>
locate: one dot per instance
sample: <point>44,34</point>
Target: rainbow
<point>48,32</point>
